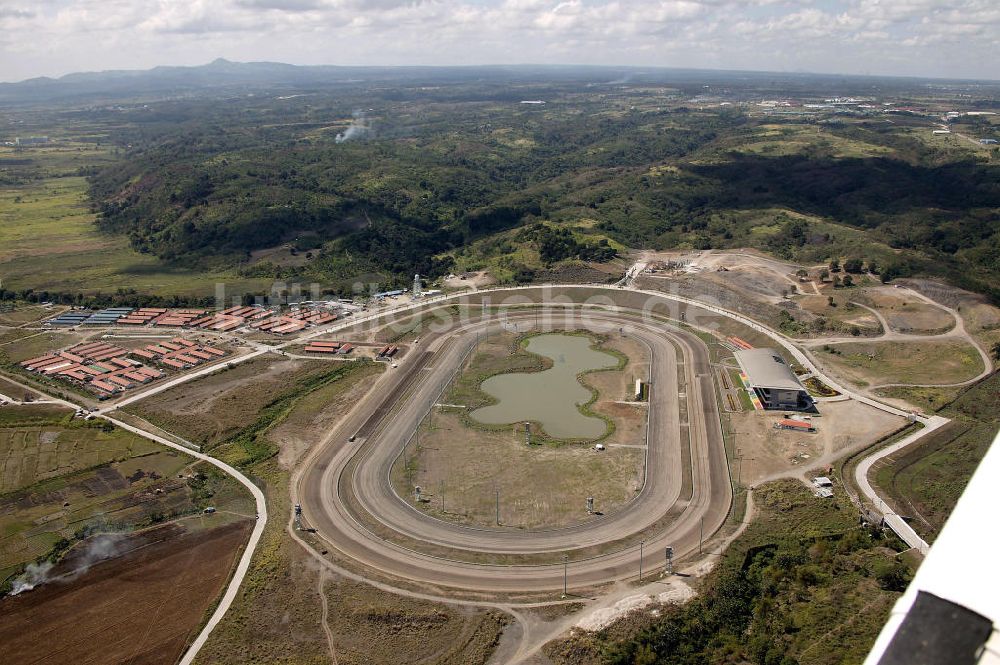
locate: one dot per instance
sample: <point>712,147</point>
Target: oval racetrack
<point>347,497</point>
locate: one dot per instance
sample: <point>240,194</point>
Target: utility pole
<point>565,573</point>
<point>669,568</point>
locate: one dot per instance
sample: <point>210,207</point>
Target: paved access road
<point>346,494</point>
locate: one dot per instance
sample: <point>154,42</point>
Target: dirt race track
<point>140,608</point>
<point>346,495</point>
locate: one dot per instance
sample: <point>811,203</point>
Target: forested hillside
<point>424,171</point>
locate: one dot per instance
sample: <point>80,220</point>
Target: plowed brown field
<point>141,607</point>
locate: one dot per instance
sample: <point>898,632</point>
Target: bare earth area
<point>841,427</point>
<point>905,313</point>
<point>141,607</point>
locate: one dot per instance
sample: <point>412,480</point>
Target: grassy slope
<point>804,584</point>
<point>927,481</point>
<point>898,362</point>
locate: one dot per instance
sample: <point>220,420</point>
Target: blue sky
<point>903,37</point>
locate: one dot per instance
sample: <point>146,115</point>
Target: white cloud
<point>915,37</point>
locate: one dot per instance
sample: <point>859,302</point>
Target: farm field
<point>141,606</point>
<point>31,455</point>
<point>33,414</point>
<point>878,363</point>
<point>62,479</point>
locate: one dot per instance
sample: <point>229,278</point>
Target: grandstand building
<point>773,380</point>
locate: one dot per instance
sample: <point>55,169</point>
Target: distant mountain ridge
<point>219,73</point>
<point>227,76</point>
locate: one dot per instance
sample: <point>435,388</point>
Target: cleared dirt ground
<point>842,311</point>
<point>140,608</point>
<point>907,314</point>
<point>843,426</point>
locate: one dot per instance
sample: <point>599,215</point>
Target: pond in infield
<point>554,397</point>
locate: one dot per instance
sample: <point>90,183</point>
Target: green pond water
<point>552,397</point>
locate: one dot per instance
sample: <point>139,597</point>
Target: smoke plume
<point>96,549</point>
<point>34,574</point>
<point>358,129</point>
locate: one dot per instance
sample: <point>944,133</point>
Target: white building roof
<point>766,369</point>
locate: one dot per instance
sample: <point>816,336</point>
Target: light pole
<point>701,535</point>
